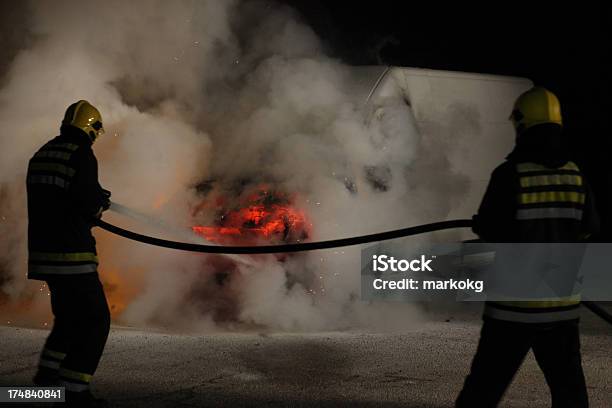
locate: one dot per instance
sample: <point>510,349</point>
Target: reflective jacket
<point>63,197</point>
<point>531,202</point>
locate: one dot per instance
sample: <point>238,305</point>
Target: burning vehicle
<point>245,214</point>
<point>252,215</point>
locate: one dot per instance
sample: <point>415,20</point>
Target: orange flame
<point>261,215</point>
<point>119,289</point>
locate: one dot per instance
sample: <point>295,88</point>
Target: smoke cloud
<point>225,92</point>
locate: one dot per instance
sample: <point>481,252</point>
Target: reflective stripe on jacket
<point>546,205</point>
<point>546,193</point>
<point>535,310</point>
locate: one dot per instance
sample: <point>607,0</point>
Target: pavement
<point>423,367</point>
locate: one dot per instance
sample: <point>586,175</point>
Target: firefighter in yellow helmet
<point>538,106</point>
<point>538,195</point>
<point>64,197</point>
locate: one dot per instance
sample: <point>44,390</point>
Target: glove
<point>104,205</point>
<point>106,200</point>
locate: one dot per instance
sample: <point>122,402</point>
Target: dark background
<point>564,46</point>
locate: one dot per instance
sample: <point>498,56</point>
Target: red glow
<point>260,215</point>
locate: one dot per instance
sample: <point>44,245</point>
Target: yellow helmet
<point>534,107</point>
<point>86,117</point>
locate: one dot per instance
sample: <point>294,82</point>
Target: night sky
<point>560,46</point>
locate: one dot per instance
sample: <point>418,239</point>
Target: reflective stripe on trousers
<point>51,359</point>
<point>73,380</point>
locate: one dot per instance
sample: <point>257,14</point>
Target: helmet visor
<point>98,127</point>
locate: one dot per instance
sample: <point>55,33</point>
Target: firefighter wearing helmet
<point>64,197</point>
<point>538,195</point>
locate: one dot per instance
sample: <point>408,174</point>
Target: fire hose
<point>273,249</point>
<point>298,247</point>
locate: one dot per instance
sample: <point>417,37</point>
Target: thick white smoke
<point>225,91</point>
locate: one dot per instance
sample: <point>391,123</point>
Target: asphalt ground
<point>423,367</point>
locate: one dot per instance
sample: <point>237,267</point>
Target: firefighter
<point>64,198</point>
<point>537,195</point>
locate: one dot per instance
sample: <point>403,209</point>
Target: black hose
<point>598,310</point>
<point>298,247</point>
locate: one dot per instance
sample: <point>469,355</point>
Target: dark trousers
<point>501,350</point>
<point>82,321</point>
